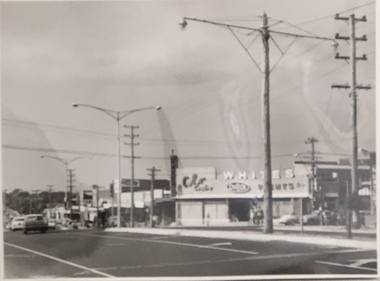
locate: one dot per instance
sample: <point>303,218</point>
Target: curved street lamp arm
<point>78,158</point>
<point>125,113</point>
<point>107,111</point>
<point>64,161</point>
<point>223,24</point>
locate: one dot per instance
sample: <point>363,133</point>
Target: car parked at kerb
<point>35,222</point>
<point>17,223</point>
<point>289,219</point>
<point>327,217</point>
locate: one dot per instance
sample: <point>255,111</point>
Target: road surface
<point>91,253</point>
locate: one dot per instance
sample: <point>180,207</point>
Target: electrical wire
<point>65,151</point>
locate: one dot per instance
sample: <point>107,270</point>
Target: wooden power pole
<point>70,199</point>
<point>353,86</point>
<point>132,144</point>
<point>153,177</point>
<point>50,186</point>
<point>312,141</point>
<point>267,199</point>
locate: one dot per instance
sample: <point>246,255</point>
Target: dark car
<point>328,218</point>
<point>35,223</point>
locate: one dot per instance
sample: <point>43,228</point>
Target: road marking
<point>220,244</point>
<point>163,237</point>
<point>204,262</point>
<point>360,262</point>
<point>44,277</point>
<point>346,265</point>
<point>19,256</point>
<point>171,243</point>
<point>60,260</point>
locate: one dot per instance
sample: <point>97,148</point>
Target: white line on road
<point>170,242</point>
<point>60,260</point>
<point>220,244</point>
<point>204,262</point>
<point>346,265</point>
<point>19,256</point>
<point>163,237</point>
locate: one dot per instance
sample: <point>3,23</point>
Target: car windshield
<point>35,218</point>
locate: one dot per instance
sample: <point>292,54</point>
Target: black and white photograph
<point>188,140</point>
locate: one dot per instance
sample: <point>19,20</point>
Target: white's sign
<point>199,187</point>
<point>243,175</point>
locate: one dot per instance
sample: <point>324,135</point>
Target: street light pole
<point>119,181</point>
<point>66,162</point>
<point>117,115</point>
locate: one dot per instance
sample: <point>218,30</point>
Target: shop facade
<point>205,197</point>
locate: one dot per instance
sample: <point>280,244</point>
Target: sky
<point>127,55</point>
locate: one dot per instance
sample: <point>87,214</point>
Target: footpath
<point>363,238</point>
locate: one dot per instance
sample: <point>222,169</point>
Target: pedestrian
<point>251,216</point>
<point>260,215</point>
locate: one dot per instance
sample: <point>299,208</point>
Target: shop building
<point>333,179</point>
<point>207,197</point>
<point>163,205</point>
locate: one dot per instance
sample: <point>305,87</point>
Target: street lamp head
<point>75,104</point>
<point>158,107</point>
<point>182,24</point>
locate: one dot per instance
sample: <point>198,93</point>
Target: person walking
<point>260,215</point>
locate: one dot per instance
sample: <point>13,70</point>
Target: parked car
<point>35,222</point>
<point>328,218</point>
<point>17,223</point>
<point>289,219</point>
<point>52,223</point>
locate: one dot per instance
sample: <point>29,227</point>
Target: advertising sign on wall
<point>195,186</point>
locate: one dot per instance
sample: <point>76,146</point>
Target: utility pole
<point>266,34</point>
<point>267,199</point>
<point>153,175</point>
<point>34,191</point>
<point>71,180</point>
<point>132,144</point>
<point>354,168</point>
<point>50,186</point>
<point>173,173</point>
<point>312,141</point>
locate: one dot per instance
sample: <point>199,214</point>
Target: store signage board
<point>282,188</point>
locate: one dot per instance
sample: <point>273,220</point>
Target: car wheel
<point>43,230</point>
<point>25,231</point>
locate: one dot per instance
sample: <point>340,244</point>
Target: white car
<point>52,223</point>
<point>289,219</point>
<point>17,223</point>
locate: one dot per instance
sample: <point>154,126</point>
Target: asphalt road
<point>89,253</point>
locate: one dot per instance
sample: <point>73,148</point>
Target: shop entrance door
<point>238,209</point>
